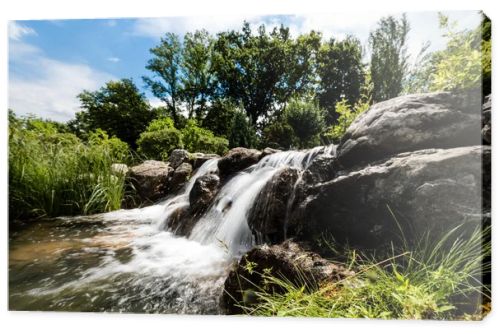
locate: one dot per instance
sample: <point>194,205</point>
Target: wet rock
<point>179,177</point>
<point>149,179</point>
<point>180,221</point>
<point>119,169</point>
<point>267,218</point>
<point>236,160</point>
<point>409,123</point>
<point>430,190</point>
<point>203,193</point>
<point>322,168</point>
<point>288,260</point>
<point>486,130</point>
<point>198,159</point>
<point>177,157</point>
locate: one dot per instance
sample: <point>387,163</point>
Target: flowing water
<point>126,260</point>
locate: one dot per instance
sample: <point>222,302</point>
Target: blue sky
<point>50,62</point>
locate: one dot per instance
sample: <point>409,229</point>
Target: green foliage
<point>117,108</point>
<point>159,139</point>
<point>54,173</point>
<point>307,120</point>
<point>198,81</point>
<point>341,73</point>
<point>437,280</point>
<point>197,139</point>
<point>279,135</point>
<point>389,60</point>
<point>465,63</point>
<point>346,115</point>
<point>262,70</point>
<point>459,65</point>
<point>166,66</point>
<point>241,133</point>
<point>220,116</point>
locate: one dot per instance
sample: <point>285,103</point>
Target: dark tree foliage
<point>241,133</point>
<point>389,61</point>
<point>219,117</point>
<point>341,73</point>
<point>117,108</point>
<point>166,67</point>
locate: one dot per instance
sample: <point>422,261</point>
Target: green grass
<point>53,173</point>
<point>440,280</point>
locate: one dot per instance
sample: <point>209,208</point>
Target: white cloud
<point>17,31</point>
<point>113,59</point>
<point>46,87</point>
<point>157,27</point>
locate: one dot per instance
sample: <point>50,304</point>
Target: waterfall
<point>225,222</point>
<point>128,260</point>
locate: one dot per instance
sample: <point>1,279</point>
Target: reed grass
<point>53,173</point>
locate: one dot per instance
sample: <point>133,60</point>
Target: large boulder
<point>413,193</point>
<point>177,157</point>
<point>149,179</point>
<point>179,177</point>
<point>203,193</point>
<point>236,160</point>
<point>409,123</point>
<point>287,260</point>
<point>268,216</point>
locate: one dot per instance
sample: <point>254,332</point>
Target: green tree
<point>465,63</point>
<point>117,108</point>
<point>307,120</point>
<point>261,71</point>
<point>389,59</point>
<point>166,83</point>
<point>341,73</point>
<point>198,78</point>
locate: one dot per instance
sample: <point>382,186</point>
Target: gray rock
<point>236,160</point>
<point>409,123</point>
<point>287,260</point>
<point>198,159</point>
<point>149,179</point>
<point>179,177</point>
<point>268,216</point>
<point>119,169</point>
<point>430,191</point>
<point>203,193</point>
<point>177,157</point>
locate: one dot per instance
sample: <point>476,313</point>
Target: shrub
<point>197,139</point>
<point>159,139</point>
<point>307,120</point>
<point>54,173</point>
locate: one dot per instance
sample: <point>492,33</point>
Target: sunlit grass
<point>440,280</point>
